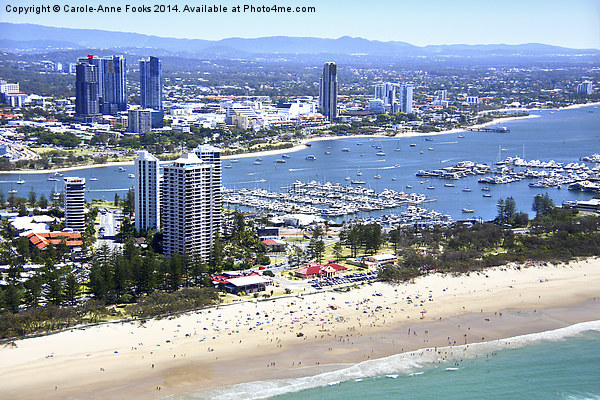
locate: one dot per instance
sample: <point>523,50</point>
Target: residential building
<point>386,92</point>
<point>139,120</point>
<point>100,86</point>
<point>75,203</point>
<point>376,106</point>
<point>406,99</point>
<point>151,83</point>
<point>87,89</point>
<point>584,88</point>
<point>6,87</point>
<point>212,155</point>
<point>188,217</point>
<point>147,199</point>
<point>113,85</point>
<point>328,91</point>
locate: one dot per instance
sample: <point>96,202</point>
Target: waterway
<point>561,135</point>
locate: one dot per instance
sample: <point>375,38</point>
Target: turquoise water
<point>558,364</point>
<point>568,369</point>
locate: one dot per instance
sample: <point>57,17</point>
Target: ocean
<point>562,135</point>
<point>558,364</point>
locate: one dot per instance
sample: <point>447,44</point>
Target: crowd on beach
<point>291,333</point>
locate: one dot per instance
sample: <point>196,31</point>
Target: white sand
<point>81,360</point>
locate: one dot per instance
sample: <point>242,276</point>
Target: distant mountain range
<point>30,38</point>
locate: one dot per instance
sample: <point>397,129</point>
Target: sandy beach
<point>298,335</point>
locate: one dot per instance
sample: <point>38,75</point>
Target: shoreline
<point>238,343</point>
<point>302,143</point>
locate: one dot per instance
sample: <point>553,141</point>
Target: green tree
<point>175,271</point>
<point>372,238</point>
<point>239,224</point>
<point>337,250</point>
<point>216,254</point>
<point>32,197</point>
<point>43,202</point>
<point>71,289</point>
<point>317,248</point>
<point>510,209</point>
<point>542,204</point>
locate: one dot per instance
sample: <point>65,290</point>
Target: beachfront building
<point>584,88</point>
<point>147,205</point>
<point>314,269</point>
<point>381,259</point>
<point>188,204</point>
<point>238,283</point>
<point>75,204</point>
<point>212,155</point>
<point>328,91</point>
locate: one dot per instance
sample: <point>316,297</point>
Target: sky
<point>569,23</point>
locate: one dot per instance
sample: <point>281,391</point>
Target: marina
<point>544,138</point>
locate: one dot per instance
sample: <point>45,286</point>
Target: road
<point>109,227</point>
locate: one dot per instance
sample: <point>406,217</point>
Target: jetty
<point>500,129</point>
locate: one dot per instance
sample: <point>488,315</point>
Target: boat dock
<point>501,129</point>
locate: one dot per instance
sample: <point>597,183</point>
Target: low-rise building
<point>318,270</point>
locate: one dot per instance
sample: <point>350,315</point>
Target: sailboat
<point>20,181</point>
<point>468,210</point>
<point>398,147</point>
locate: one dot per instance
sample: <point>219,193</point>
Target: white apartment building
<point>188,206</point>
<point>75,204</point>
<point>147,200</point>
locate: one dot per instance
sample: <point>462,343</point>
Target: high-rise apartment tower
<point>188,207</point>
<point>75,204</point>
<point>328,91</point>
<point>147,199</point>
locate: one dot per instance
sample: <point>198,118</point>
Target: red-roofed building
<point>275,245</point>
<point>43,240</point>
<point>314,269</point>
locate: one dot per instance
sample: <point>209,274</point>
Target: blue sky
<point>570,23</point>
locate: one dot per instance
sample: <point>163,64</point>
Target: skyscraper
<point>188,207</point>
<point>87,93</point>
<point>147,206</point>
<point>386,92</point>
<point>114,85</point>
<point>406,99</point>
<point>151,83</point>
<point>75,204</point>
<point>100,86</point>
<point>328,91</point>
<point>212,155</point>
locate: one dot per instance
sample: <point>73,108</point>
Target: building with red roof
<point>43,240</point>
<point>313,269</point>
<point>275,245</point>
